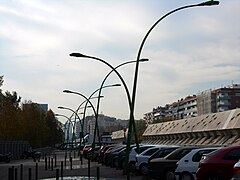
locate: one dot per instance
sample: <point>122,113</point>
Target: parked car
<point>93,153</point>
<point>117,158</point>
<point>134,152</point>
<point>132,156</point>
<point>85,150</point>
<point>5,157</point>
<point>188,165</point>
<point>161,153</point>
<point>109,155</point>
<point>35,155</point>
<point>142,159</point>
<point>68,146</point>
<point>105,156</point>
<point>218,165</point>
<point>102,150</point>
<point>164,168</point>
<point>236,171</point>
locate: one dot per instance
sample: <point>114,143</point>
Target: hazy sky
<point>190,51</point>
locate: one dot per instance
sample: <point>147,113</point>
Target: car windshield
<point>162,152</point>
<point>210,154</point>
<point>179,153</point>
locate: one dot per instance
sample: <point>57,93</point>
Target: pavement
<point>79,170</point>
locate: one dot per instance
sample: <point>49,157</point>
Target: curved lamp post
<point>127,91</point>
<point>74,127</point>
<point>90,97</point>
<point>86,100</point>
<point>120,77</point>
<point>83,119</point>
<point>68,121</point>
<point>94,110</point>
<point>207,3</point>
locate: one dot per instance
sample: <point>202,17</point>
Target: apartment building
<point>206,102</point>
<point>219,100</point>
<point>181,109</point>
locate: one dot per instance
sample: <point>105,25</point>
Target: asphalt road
<point>43,170</point>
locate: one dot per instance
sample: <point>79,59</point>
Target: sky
<point>190,51</point>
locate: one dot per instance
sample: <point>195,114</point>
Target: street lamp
<point>120,77</point>
<point>74,127</point>
<point>127,91</point>
<point>68,121</point>
<point>207,3</point>
<point>94,110</point>
<point>83,119</point>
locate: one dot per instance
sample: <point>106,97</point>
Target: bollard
<point>10,175</point>
<point>49,163</point>
<point>65,161</point>
<point>71,162</point>
<point>88,168</point>
<point>12,172</point>
<point>55,160</point>
<point>15,175</point>
<point>36,171</point>
<point>98,173</point>
<point>81,160</point>
<point>57,174</point>
<point>45,163</point>
<point>52,164</point>
<point>29,174</point>
<point>21,171</point>
<point>61,169</point>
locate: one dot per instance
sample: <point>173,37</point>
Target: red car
<point>219,164</point>
<point>85,150</point>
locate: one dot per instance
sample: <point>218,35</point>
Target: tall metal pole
<point>208,3</point>
<point>98,97</point>
<point>101,87</point>
<point>94,110</point>
<point>120,77</point>
<point>68,121</point>
<point>74,127</point>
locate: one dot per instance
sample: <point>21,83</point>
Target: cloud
<point>189,52</point>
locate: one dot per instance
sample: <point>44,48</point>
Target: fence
<point>16,148</point>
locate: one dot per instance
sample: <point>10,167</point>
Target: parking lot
<point>165,162</point>
<point>78,170</point>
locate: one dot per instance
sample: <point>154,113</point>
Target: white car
<point>142,158</point>
<point>133,153</point>
<point>188,165</point>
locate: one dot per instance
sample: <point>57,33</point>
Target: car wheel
<point>144,170</point>
<point>131,166</point>
<point>169,175</point>
<point>186,176</point>
<point>115,162</point>
<point>122,164</point>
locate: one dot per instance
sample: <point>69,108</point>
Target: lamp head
<point>60,107</point>
<point>209,3</point>
<point>67,91</point>
<point>116,85</point>
<point>143,60</point>
<point>77,55</point>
